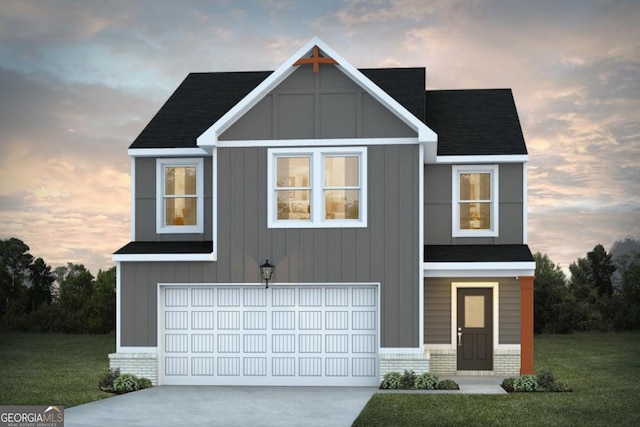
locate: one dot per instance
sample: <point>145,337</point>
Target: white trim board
<point>168,152</point>
<point>479,269</point>
<point>164,257</point>
<point>501,158</point>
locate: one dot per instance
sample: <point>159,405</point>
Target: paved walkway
<point>245,406</point>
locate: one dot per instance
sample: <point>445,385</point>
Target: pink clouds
<point>79,83</point>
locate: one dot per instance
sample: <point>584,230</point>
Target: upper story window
<point>475,201</point>
<point>180,195</point>
<point>317,187</point>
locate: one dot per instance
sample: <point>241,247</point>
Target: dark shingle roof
<point>477,253</point>
<point>188,247</point>
<point>468,122</point>
<point>475,122</point>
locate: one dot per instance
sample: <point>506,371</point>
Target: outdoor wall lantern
<point>266,272</point>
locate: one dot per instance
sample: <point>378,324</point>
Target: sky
<point>79,80</point>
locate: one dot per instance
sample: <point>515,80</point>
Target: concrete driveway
<point>225,406</point>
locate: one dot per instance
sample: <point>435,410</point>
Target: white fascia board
<point>210,136</point>
<point>479,269</point>
<point>332,142</point>
<point>167,152</point>
<point>164,257</point>
<point>505,158</point>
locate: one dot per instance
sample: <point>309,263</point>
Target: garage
<point>312,335</point>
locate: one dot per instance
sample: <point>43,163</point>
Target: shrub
<point>426,381</point>
<point>115,382</point>
<point>144,383</point>
<point>106,382</point>
<point>507,384</point>
<point>546,379</point>
<point>391,380</point>
<point>408,380</point>
<point>126,383</point>
<point>447,385</point>
<point>525,383</point>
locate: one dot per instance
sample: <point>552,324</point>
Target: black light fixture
<point>266,271</point>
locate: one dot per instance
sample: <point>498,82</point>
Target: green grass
<point>602,368</point>
<point>53,369</point>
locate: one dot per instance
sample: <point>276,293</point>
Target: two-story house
<point>395,217</point>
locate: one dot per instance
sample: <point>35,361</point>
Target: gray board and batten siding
<point>322,105</point>
<point>384,252</point>
<point>438,207</point>
<point>437,308</point>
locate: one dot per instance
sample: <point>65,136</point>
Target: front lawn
<point>53,369</point>
<point>602,368</point>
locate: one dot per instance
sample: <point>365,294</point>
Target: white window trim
<point>181,229</point>
<point>455,200</point>
<point>317,178</point>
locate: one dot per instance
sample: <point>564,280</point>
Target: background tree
<point>625,303</point>
<point>14,265</point>
<point>41,280</point>
<point>554,306</point>
<point>602,269</point>
<point>76,287</point>
<point>100,311</point>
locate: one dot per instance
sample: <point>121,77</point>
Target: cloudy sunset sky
<point>80,79</point>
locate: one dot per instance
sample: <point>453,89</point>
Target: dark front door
<point>475,329</point>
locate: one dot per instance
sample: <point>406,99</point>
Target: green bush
<point>144,383</point>
<point>408,380</point>
<point>391,381</point>
<point>507,384</point>
<point>525,383</point>
<point>546,379</point>
<point>447,385</point>
<point>126,383</point>
<point>426,381</point>
<point>106,382</point>
<point>115,382</point>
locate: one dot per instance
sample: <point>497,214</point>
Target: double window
<point>475,201</point>
<point>180,195</point>
<point>317,187</point>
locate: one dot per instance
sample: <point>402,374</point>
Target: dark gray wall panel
<point>437,309</point>
<point>509,311</point>
<point>338,115</point>
<point>257,123</point>
<point>438,214</point>
<point>378,122</point>
<point>295,116</point>
<point>384,252</point>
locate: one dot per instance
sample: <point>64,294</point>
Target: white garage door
<point>284,335</point>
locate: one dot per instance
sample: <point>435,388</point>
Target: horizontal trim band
<point>164,257</point>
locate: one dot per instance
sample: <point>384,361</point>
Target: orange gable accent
<point>316,60</point>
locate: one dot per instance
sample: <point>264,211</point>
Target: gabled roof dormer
<point>308,70</point>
